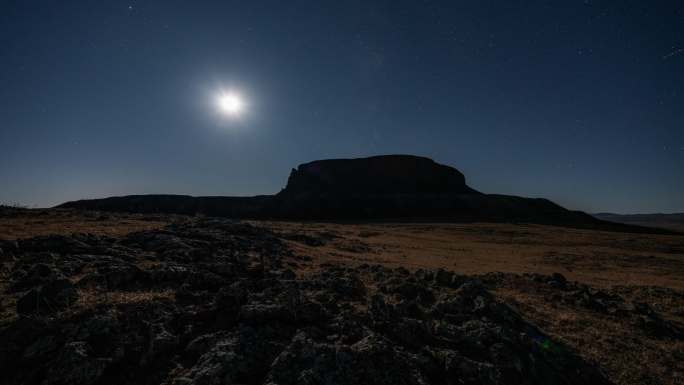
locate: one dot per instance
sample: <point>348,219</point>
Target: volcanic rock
<point>76,365</point>
<point>339,325</point>
<point>48,298</point>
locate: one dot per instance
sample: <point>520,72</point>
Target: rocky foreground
<point>216,302</point>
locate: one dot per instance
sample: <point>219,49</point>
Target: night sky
<point>580,102</point>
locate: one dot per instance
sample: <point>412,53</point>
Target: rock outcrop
<point>213,302</point>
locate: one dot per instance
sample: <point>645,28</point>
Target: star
<point>673,53</point>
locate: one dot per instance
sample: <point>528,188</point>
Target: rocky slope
<point>211,301</point>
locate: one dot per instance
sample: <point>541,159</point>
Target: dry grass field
<point>21,223</point>
<point>598,258</point>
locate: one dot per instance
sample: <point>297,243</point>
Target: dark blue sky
<point>577,101</point>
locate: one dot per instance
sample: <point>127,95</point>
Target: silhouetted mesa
<point>385,188</point>
<point>387,174</point>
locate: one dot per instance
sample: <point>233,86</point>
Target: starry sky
<point>576,101</point>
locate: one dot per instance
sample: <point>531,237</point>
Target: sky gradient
<point>576,101</point>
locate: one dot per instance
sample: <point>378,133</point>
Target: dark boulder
<point>36,275</point>
<point>161,343</point>
<point>558,281</point>
<point>260,313</point>
<point>240,357</point>
<point>48,298</point>
<point>372,360</point>
<point>76,364</point>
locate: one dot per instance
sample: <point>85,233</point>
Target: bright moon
<point>230,103</point>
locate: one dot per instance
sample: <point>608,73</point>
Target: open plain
<point>165,283</point>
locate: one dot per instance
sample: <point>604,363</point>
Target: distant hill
<point>379,188</point>
<point>664,221</point>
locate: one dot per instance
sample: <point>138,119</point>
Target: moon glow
<point>230,104</point>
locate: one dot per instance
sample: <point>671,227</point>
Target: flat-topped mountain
<point>379,188</point>
<point>385,174</point>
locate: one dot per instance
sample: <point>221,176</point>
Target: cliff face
<point>387,174</point>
